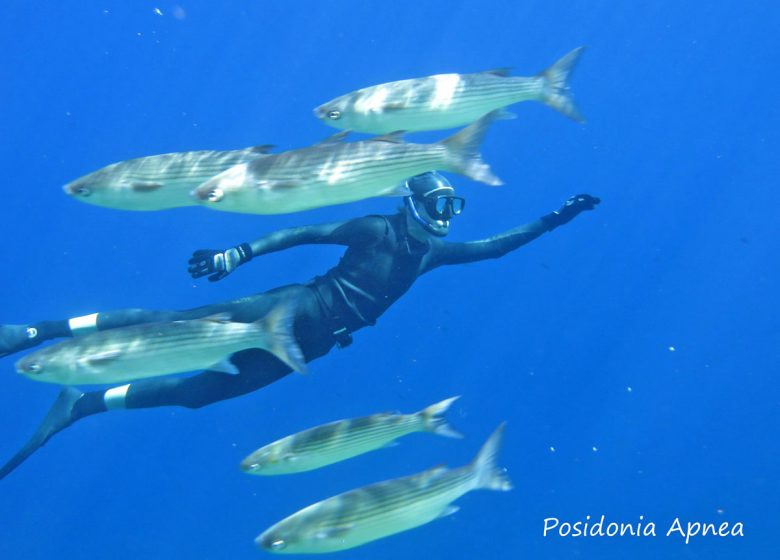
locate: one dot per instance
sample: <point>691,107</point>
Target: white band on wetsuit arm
<point>115,397</point>
<point>83,325</point>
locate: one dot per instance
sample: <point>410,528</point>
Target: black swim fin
<point>59,417</point>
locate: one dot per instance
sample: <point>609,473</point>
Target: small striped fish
<point>380,510</point>
<point>335,172</point>
<point>340,440</point>
<point>448,100</point>
<point>151,349</point>
<point>156,182</point>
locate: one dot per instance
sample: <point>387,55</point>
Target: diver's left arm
<point>218,263</point>
<point>503,243</point>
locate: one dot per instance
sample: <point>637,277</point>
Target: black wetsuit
<point>381,263</point>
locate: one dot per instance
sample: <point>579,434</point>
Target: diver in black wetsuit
<point>385,255</point>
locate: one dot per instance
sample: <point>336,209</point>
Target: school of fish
<point>334,171</point>
<point>386,508</point>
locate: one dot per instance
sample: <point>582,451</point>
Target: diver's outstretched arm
<point>503,243</point>
<point>217,263</point>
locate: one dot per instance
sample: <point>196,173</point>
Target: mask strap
<point>410,205</point>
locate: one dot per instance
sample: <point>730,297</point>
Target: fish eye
<point>334,115</point>
<point>215,195</point>
<point>278,544</point>
<point>81,190</point>
<point>33,367</point>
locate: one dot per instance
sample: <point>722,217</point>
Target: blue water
<point>633,352</point>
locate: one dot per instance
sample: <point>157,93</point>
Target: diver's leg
<point>14,338</point>
<point>257,368</point>
<point>60,416</point>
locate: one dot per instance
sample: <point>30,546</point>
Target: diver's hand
<point>573,206</point>
<point>218,263</point>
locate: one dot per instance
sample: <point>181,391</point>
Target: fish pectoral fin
<point>99,359</point>
<point>263,148</point>
<point>503,72</point>
<point>334,138</point>
<point>145,187</point>
<point>225,366</point>
<point>449,510</point>
<point>396,137</point>
<point>278,185</point>
<point>334,532</point>
<point>401,189</point>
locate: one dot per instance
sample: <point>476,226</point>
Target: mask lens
<point>456,205</point>
<point>444,207</point>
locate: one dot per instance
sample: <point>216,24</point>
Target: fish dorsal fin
<point>263,148</point>
<point>437,470</point>
<point>396,137</point>
<point>503,72</point>
<point>334,138</point>
<point>223,317</point>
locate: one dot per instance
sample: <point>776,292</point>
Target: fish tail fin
<point>488,474</point>
<point>433,419</point>
<point>557,93</point>
<point>278,325</point>
<point>463,148</point>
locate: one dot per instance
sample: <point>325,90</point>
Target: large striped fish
<point>156,182</point>
<point>448,100</point>
<point>335,172</point>
<point>380,510</point>
<point>151,349</point>
<point>340,440</point>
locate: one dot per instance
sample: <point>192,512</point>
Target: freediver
<point>384,256</point>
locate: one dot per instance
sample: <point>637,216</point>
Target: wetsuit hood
<point>432,202</point>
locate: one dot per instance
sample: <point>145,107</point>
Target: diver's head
<point>432,202</point>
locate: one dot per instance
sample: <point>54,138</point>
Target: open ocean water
<point>633,352</point>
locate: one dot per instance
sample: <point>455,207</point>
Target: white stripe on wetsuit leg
<point>115,397</point>
<point>83,325</point>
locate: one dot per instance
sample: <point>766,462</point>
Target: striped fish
<point>340,440</point>
<point>448,100</point>
<point>335,172</point>
<point>156,182</point>
<point>380,510</point>
<point>152,349</point>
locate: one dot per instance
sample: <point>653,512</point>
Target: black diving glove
<point>218,263</point>
<point>573,206</point>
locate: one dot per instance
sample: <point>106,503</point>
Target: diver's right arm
<point>219,263</point>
